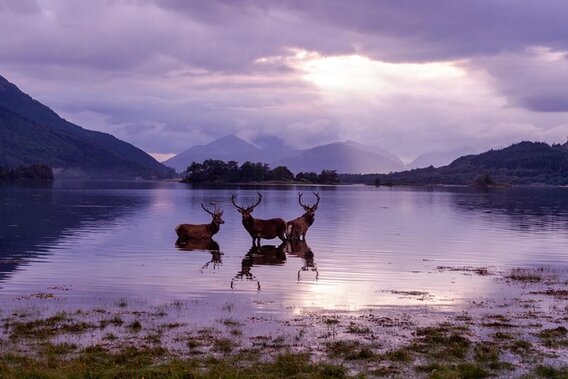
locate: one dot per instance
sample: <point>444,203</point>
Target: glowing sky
<point>412,76</point>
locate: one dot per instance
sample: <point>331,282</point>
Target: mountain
<point>273,149</point>
<point>521,163</point>
<point>341,156</point>
<point>229,148</point>
<point>30,132</point>
<point>344,157</point>
<point>440,158</point>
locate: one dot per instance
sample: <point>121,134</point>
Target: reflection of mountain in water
<point>34,218</point>
<point>526,209</point>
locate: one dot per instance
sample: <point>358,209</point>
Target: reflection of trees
<point>34,218</point>
<point>526,209</point>
<point>302,250</point>
<point>267,255</point>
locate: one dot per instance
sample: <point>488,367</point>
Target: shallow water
<point>96,243</point>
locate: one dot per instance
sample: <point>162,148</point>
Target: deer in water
<point>267,229</point>
<point>299,226</point>
<point>188,232</point>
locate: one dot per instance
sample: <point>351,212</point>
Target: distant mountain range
<point>341,156</point>
<point>439,159</point>
<point>520,163</point>
<point>32,133</point>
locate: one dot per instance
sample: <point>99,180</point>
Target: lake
<point>99,242</point>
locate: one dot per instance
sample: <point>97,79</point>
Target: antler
<point>249,208</point>
<point>306,207</point>
<point>258,202</point>
<point>233,201</point>
<point>317,195</point>
<point>207,210</point>
<point>300,200</point>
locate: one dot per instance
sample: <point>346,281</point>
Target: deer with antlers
<point>187,232</point>
<point>267,229</point>
<point>299,226</point>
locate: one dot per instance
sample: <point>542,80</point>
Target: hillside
<point>31,133</point>
<point>343,157</point>
<point>522,163</point>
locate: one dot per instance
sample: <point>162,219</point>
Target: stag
<point>267,229</point>
<point>187,232</point>
<point>299,226</point>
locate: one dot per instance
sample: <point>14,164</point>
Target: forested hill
<point>31,133</point>
<point>521,164</point>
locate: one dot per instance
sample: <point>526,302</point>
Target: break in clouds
<point>411,76</point>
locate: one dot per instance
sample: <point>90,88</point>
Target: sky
<point>411,76</point>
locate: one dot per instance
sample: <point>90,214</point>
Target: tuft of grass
<point>136,325</point>
<point>442,342</point>
<point>331,321</point>
<point>554,338</point>
<point>46,328</point>
<point>521,347</point>
<point>400,355</point>
<point>349,350</point>
<point>356,329</point>
<point>223,345</point>
<point>231,322</point>
<point>524,275</point>
<point>452,371</point>
<point>550,372</point>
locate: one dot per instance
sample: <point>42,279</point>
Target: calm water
<point>94,242</point>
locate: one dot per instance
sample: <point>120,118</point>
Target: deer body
<point>198,232</point>
<point>267,229</point>
<point>186,232</point>
<point>299,226</point>
<point>257,228</point>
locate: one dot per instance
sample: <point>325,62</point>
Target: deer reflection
<point>301,249</point>
<point>267,255</point>
<point>203,245</point>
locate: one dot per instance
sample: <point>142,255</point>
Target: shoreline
<point>523,334</point>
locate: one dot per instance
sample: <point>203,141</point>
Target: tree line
<point>31,172</point>
<point>217,171</point>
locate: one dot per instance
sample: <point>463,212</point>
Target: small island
<point>213,171</point>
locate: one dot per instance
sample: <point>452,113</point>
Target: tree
<point>310,177</point>
<point>253,172</point>
<point>281,173</point>
<point>328,177</point>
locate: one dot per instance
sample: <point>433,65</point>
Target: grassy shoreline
<point>522,337</point>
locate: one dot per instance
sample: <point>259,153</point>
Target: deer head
<point>309,209</point>
<point>216,214</point>
<point>246,212</point>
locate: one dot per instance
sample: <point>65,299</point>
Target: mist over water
<point>99,242</point>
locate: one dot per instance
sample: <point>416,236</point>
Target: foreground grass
<point>96,362</point>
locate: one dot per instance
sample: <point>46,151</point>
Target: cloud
<point>412,75</point>
<point>535,79</point>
